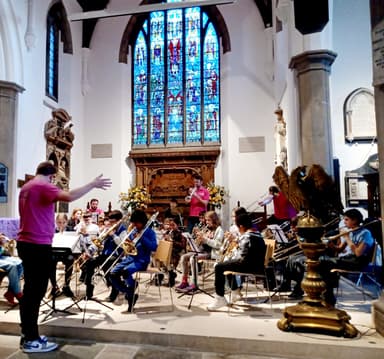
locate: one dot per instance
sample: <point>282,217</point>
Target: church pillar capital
<point>313,60</point>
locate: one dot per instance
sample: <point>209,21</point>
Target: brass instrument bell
<point>129,248</point>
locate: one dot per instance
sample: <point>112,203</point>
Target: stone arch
<point>11,64</point>
<point>136,21</point>
<point>57,10</point>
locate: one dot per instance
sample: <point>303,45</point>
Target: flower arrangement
<point>136,198</point>
<point>217,195</point>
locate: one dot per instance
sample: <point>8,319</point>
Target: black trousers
<point>90,267</point>
<point>231,265</point>
<point>68,271</point>
<point>349,262</point>
<point>37,262</point>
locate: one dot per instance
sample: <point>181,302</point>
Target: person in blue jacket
<point>144,240</point>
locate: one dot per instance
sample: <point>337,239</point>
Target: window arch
<point>52,59</point>
<point>57,24</point>
<point>176,80</point>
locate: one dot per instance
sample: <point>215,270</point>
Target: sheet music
<point>278,233</point>
<point>67,240</point>
<point>191,242</point>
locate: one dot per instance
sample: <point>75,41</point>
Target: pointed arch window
<point>176,80</point>
<point>52,58</point>
<point>57,29</point>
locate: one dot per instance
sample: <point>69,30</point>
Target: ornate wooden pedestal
<point>313,314</point>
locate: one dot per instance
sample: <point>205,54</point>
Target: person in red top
<point>94,209</point>
<point>197,199</point>
<point>283,210</point>
<point>34,245</point>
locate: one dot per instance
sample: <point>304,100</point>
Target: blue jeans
<point>14,268</point>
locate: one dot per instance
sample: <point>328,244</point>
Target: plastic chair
<point>369,272</point>
<point>160,259</point>
<point>270,248</point>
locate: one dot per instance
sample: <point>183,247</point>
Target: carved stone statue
<point>280,134</point>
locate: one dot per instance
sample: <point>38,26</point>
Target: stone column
<point>377,24</point>
<point>312,72</point>
<point>8,107</point>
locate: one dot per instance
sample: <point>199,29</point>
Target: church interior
<point>149,94</point>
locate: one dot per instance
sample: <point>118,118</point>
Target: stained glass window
<point>52,58</point>
<point>176,92</point>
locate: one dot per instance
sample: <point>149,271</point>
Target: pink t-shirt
<point>196,206</point>
<point>37,212</point>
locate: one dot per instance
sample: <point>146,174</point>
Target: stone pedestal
<point>312,70</point>
<point>8,107</point>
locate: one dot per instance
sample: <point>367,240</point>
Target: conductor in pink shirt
<point>34,245</point>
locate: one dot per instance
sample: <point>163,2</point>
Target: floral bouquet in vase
<point>136,198</point>
<point>217,195</point>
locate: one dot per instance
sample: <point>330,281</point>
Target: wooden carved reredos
<point>169,173</point>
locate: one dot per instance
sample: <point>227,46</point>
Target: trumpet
<point>200,234</point>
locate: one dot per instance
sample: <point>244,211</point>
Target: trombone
<point>129,247</point>
<point>341,234</point>
<point>99,241</point>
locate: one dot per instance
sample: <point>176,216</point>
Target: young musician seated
<point>173,211</point>
<point>361,244</point>
<point>144,240</point>
<point>295,265</point>
<point>249,259</point>
<point>14,269</point>
<point>209,242</point>
<point>174,235</point>
<point>111,239</point>
<point>62,226</point>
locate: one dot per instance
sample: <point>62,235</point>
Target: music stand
<point>86,299</point>
<point>58,254</point>
<point>53,308</point>
<point>278,234</point>
<point>196,251</point>
<point>280,238</point>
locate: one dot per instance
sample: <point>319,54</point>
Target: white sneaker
<point>41,345</point>
<point>218,303</point>
<point>236,295</point>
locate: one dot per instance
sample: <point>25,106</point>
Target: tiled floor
<point>249,330</point>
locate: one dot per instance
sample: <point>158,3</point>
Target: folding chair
<point>270,247</point>
<point>161,258</point>
<point>369,272</point>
